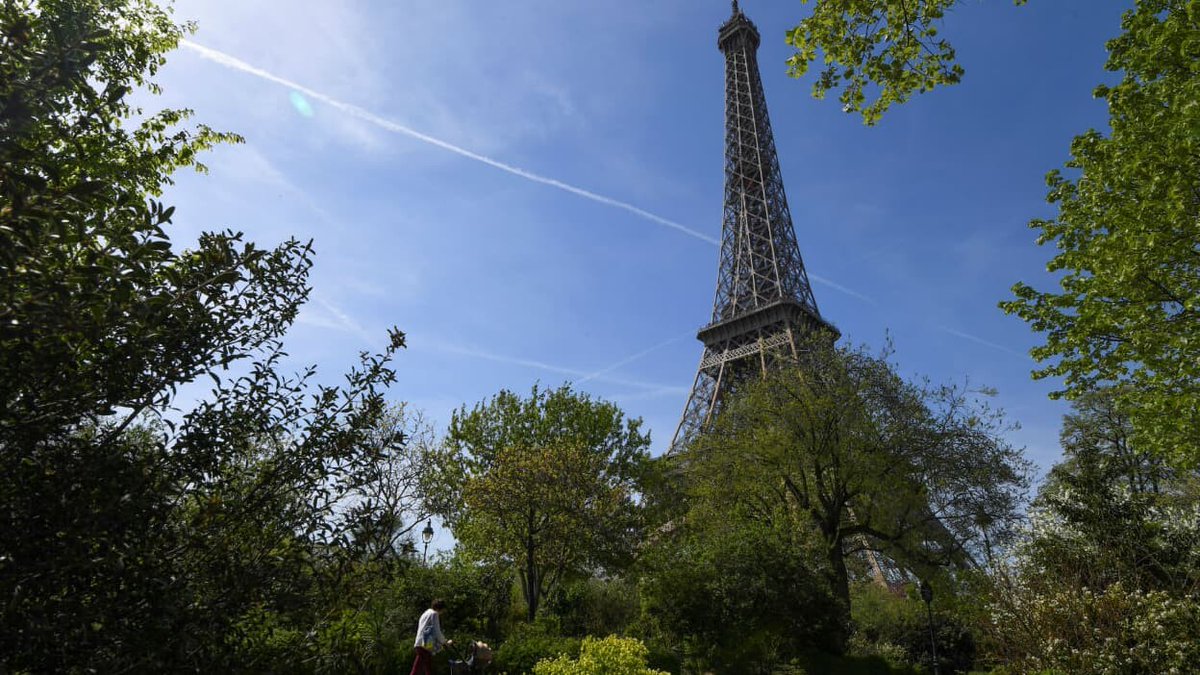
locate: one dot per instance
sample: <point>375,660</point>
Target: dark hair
<point>438,605</point>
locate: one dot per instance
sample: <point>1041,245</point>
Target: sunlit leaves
<point>609,656</point>
<point>1127,236</point>
<point>880,52</point>
<point>546,483</point>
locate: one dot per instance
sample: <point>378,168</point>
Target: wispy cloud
<point>357,112</point>
<point>628,360</point>
<point>254,165</point>
<point>549,367</point>
<point>334,318</point>
<point>649,394</point>
<point>979,340</point>
<point>838,287</point>
<point>233,62</point>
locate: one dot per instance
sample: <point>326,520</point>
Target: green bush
<point>609,656</point>
<point>1077,630</point>
<point>528,645</point>
<point>662,657</point>
<point>891,653</point>
<point>263,639</point>
<point>477,598</point>
<point>895,628</point>
<point>740,598</point>
<point>366,641</point>
<point>845,665</point>
<point>594,606</point>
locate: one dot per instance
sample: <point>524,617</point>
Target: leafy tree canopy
<point>1111,512</point>
<point>549,483</point>
<point>1127,309</point>
<point>734,592</point>
<point>1113,536</point>
<point>1127,234</point>
<point>139,537</point>
<point>843,447</point>
<point>888,49</point>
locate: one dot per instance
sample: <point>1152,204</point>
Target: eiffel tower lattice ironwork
<point>764,303</point>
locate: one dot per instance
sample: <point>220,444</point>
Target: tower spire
<point>764,303</point>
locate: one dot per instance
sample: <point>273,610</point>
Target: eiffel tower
<point>764,303</point>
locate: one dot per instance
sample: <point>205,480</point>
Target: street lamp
<point>927,596</point>
<point>426,536</point>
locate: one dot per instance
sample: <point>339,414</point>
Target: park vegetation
<point>270,526</point>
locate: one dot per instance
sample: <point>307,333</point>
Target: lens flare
<point>301,104</point>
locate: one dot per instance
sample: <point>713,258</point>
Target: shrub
<point>1078,630</point>
<point>892,654</point>
<point>264,639</point>
<point>594,606</point>
<point>895,628</point>
<point>530,644</point>
<point>742,598</point>
<point>609,656</point>
<point>820,662</point>
<point>476,596</point>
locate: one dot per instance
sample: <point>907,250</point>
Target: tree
<point>1114,536</point>
<point>138,537</point>
<point>547,483</point>
<point>390,503</point>
<point>1127,311</point>
<point>842,447</point>
<point>1110,512</point>
<point>733,592</point>
<point>1128,306</point>
<point>99,315</point>
<point>890,45</point>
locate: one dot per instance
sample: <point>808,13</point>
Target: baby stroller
<point>479,657</point>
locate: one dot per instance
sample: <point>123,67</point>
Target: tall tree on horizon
<point>547,483</point>
<point>842,447</point>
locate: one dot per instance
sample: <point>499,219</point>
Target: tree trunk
<point>533,585</point>
<point>839,581</point>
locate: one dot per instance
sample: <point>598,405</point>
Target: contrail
<point>340,321</point>
<point>549,367</point>
<point>237,64</point>
<point>838,287</point>
<point>627,360</point>
<point>986,343</point>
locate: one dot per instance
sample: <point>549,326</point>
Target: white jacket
<point>429,632</point>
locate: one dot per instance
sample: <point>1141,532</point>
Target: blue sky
<point>529,189</point>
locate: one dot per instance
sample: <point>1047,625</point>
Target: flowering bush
<point>609,656</point>
<point>1077,630</point>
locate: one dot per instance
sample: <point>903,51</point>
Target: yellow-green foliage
<point>609,656</point>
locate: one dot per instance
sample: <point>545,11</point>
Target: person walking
<point>430,639</point>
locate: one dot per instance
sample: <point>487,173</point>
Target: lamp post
<point>927,596</point>
<point>426,536</point>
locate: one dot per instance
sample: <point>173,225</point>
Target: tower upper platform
<point>738,31</point>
